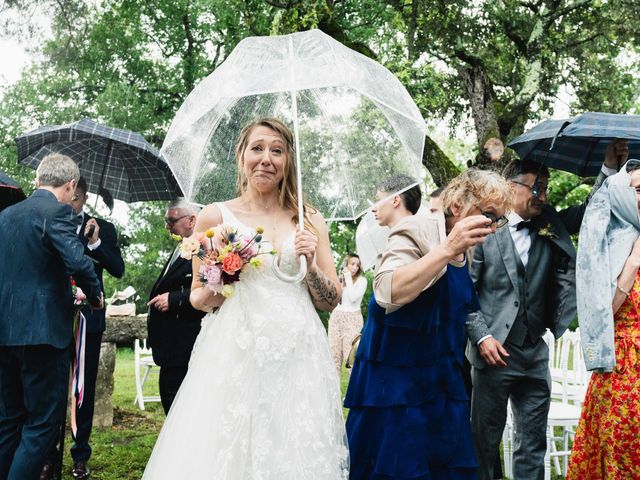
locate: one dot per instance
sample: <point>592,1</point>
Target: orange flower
<point>232,263</point>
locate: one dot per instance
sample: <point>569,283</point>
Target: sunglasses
<point>173,221</point>
<point>499,221</point>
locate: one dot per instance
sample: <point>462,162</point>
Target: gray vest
<point>524,327</point>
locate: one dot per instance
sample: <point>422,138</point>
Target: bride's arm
<point>201,297</point>
<point>321,279</point>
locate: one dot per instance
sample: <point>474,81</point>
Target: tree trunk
<point>440,167</point>
<point>480,94</point>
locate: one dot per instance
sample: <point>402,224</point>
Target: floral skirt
<point>607,442</point>
<point>344,327</point>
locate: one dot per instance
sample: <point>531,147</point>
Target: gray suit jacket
<point>549,289</point>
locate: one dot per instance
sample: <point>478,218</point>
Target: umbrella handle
<point>297,278</point>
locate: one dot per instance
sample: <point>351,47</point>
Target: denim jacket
<point>610,227</point>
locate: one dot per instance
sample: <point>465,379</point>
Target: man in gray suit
<point>525,278</point>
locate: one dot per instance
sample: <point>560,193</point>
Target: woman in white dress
<point>346,320</point>
<point>261,399</point>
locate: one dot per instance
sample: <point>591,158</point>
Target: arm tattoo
<point>322,289</point>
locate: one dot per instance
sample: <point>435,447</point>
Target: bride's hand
<point>306,244</point>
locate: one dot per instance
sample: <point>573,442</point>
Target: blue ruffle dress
<point>409,410</point>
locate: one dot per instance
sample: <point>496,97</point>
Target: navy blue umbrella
<point>115,163</point>
<point>10,191</point>
<point>578,145</point>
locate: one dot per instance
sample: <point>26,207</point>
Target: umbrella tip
<point>107,198</point>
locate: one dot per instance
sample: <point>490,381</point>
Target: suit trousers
<point>526,381</point>
<point>81,450</point>
<point>33,393</point>
<point>169,382</point>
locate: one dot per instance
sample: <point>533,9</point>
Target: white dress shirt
<point>521,238</point>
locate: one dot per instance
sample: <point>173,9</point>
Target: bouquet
<point>225,253</point>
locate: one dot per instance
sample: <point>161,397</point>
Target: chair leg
<point>547,458</point>
<point>139,398</point>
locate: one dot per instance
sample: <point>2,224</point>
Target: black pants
<point>33,393</point>
<point>170,381</point>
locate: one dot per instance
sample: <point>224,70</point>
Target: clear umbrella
<point>353,121</point>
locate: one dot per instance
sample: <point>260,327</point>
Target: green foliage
<point>146,246</point>
<point>131,63</point>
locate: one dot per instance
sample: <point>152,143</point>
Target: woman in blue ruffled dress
<point>409,411</point>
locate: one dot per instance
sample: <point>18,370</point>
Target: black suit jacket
<point>39,250</point>
<point>106,257</point>
<point>171,334</point>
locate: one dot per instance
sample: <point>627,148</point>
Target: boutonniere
<point>547,232</point>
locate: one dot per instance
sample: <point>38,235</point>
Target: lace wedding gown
<point>261,399</point>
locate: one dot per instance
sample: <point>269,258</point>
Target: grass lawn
<point>121,452</point>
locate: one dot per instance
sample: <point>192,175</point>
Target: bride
<point>261,399</point>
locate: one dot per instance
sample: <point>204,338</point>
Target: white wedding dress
<point>261,399</point>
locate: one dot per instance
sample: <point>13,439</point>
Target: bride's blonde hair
<point>288,187</point>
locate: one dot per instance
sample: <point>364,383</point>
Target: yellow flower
<point>175,238</point>
<point>227,291</point>
<point>256,262</point>
<point>259,230</point>
<point>210,233</point>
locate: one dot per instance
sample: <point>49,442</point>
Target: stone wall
<point>119,331</point>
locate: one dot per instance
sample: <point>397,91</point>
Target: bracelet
<point>626,293</point>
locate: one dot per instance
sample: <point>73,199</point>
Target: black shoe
<point>47,472</point>
<point>80,471</point>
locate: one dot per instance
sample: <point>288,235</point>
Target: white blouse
<point>352,294</point>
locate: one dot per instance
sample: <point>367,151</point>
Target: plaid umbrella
<point>578,145</point>
<point>115,163</point>
<point>10,191</point>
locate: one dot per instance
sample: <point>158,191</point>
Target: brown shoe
<point>47,472</point>
<point>80,471</point>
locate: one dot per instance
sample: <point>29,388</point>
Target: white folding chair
<point>507,444</point>
<point>143,360</point>
<point>565,417</point>
<point>568,374</point>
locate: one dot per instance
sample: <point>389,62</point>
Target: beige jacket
<point>409,240</point>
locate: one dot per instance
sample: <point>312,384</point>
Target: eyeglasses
<point>537,189</point>
<point>499,221</point>
<point>77,196</point>
<point>173,221</point>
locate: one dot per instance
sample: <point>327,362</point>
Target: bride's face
<point>264,159</point>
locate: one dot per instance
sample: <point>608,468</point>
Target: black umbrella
<point>10,191</point>
<point>578,145</point>
<point>115,163</point>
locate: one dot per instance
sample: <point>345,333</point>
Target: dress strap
<point>227,215</point>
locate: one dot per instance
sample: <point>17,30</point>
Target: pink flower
<point>232,263</point>
<point>212,274</point>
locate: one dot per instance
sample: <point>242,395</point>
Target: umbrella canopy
<point>353,121</point>
<point>578,145</point>
<point>10,191</point>
<point>115,163</point>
